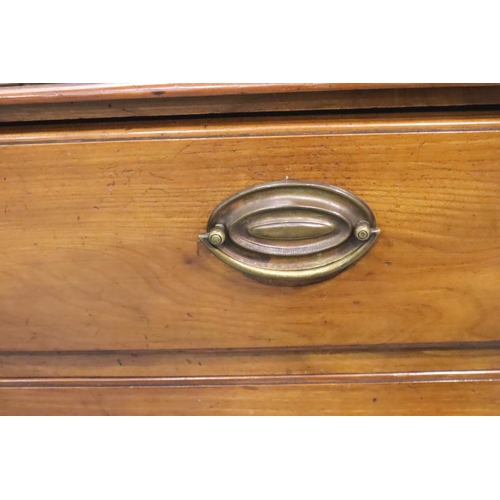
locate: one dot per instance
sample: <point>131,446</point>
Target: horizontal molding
<point>254,380</point>
<point>218,128</point>
<point>197,364</point>
<point>395,347</point>
<point>55,93</point>
<point>52,93</point>
<point>95,101</point>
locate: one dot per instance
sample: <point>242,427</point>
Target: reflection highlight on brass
<point>291,232</point>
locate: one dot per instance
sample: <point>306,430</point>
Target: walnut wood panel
<point>438,398</point>
<point>100,252</point>
<point>97,101</point>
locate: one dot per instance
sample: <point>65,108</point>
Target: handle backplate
<point>291,232</point>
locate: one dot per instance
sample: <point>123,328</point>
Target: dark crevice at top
<point>261,114</point>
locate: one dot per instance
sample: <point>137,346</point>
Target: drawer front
<point>100,230</point>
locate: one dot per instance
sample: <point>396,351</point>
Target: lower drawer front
<point>100,230</point>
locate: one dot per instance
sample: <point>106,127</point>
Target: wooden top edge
<point>59,93</point>
<point>251,127</point>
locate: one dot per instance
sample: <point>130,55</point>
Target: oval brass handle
<point>291,232</point>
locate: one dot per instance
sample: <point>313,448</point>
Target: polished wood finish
<point>64,102</point>
<point>98,92</point>
<point>470,360</point>
<point>439,398</point>
<point>111,306</point>
<point>251,127</point>
<point>100,246</point>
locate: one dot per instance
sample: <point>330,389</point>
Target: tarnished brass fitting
<point>217,235</point>
<point>362,230</point>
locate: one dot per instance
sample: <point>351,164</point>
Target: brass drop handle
<point>291,232</point>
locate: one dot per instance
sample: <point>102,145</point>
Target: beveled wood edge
<point>386,348</point>
<point>218,364</point>
<point>53,93</point>
<point>268,98</point>
<point>254,380</point>
<point>248,127</point>
<point>320,349</point>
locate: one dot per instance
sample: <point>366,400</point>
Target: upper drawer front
<point>100,233</point>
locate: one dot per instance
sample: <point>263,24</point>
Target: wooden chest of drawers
<point>111,304</point>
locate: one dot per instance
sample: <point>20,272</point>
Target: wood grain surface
<point>66,92</point>
<point>468,360</point>
<point>100,243</point>
<point>110,306</point>
<point>438,398</point>
<point>66,102</point>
